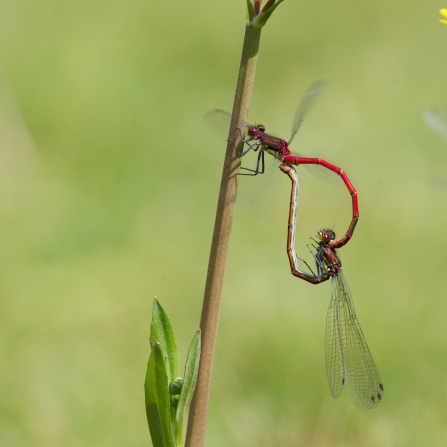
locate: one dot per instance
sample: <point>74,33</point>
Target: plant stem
<point>209,321</point>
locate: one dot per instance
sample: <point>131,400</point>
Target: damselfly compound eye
<point>326,235</point>
<point>252,131</point>
<point>330,235</point>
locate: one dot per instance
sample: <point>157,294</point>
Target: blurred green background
<point>108,186</point>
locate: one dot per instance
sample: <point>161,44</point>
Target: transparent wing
<point>306,105</point>
<point>219,122</point>
<point>348,358</point>
<point>335,355</point>
<point>437,120</point>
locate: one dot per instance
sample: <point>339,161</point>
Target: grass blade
<point>189,384</point>
<point>162,332</point>
<point>158,399</point>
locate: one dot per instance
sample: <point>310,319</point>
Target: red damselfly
<point>348,358</point>
<point>258,140</point>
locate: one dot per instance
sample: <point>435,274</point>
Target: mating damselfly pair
<point>348,358</point>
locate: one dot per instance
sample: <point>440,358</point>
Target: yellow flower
<point>444,13</point>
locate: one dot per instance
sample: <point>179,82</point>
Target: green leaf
<point>250,10</point>
<point>162,332</point>
<point>189,385</point>
<point>264,16</point>
<point>158,399</point>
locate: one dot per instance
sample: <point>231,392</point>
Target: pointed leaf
<point>264,16</point>
<point>162,332</point>
<point>250,10</point>
<point>158,399</point>
<point>189,385</point>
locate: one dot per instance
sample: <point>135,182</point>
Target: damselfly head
<point>256,131</point>
<point>326,235</point>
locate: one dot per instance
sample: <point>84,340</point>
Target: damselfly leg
<point>258,139</point>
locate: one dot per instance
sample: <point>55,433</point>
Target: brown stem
<point>209,322</point>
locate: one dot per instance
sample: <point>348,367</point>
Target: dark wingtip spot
<point>381,386</point>
<point>379,396</point>
<point>343,381</point>
<point>373,398</point>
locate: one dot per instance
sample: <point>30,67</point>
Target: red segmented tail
<point>291,159</point>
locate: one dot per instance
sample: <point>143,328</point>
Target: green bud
<point>175,401</point>
<point>176,386</point>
